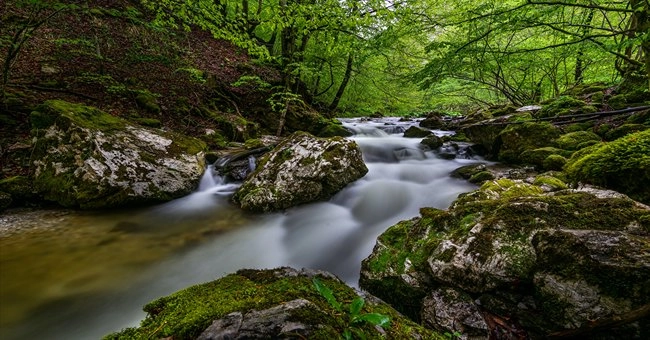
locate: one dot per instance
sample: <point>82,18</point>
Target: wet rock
<point>416,132</point>
<point>433,121</point>
<point>546,257</point>
<point>451,310</point>
<point>299,170</point>
<point>86,158</point>
<point>268,304</point>
<point>432,141</point>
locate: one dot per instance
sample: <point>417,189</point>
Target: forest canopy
<point>413,56</point>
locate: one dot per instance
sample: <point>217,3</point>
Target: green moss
<point>537,156</point>
<point>147,101</point>
<point>517,138</point>
<point>507,188</point>
<point>334,129</point>
<point>481,177</point>
<point>62,112</point>
<point>551,182</point>
<point>565,105</point>
<point>622,165</point>
<point>624,130</point>
<point>554,163</point>
<point>573,140</point>
<point>185,314</point>
<point>150,122</point>
<point>253,143</point>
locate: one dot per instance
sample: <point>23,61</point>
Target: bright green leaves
<point>327,294</point>
<point>355,318</point>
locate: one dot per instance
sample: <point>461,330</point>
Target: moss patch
<point>622,165</point>
<point>185,314</point>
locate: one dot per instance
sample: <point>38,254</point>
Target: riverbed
<point>66,274</point>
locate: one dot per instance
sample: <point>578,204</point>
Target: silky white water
<point>114,263</point>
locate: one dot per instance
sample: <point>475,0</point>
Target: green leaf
<point>347,335</point>
<point>356,306</point>
<point>375,319</point>
<point>327,294</point>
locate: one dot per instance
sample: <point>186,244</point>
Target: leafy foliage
<point>355,315</point>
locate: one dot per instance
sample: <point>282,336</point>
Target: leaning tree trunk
<point>344,83</point>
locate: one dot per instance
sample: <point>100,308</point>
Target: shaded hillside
<point>108,55</point>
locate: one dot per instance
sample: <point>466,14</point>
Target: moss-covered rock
<point>565,105</point>
<point>148,102</point>
<point>334,129</point>
<point>432,141</point>
<point>267,304</point>
<point>416,132</point>
<point>554,163</point>
<point>576,140</point>
<point>537,156</point>
<point>500,243</point>
<point>233,127</point>
<point>481,177</point>
<point>622,165</point>
<point>517,138</point>
<point>86,158</point>
<point>299,170</point>
<point>624,130</point>
<point>433,121</point>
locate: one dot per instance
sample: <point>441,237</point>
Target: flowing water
<point>81,275</point>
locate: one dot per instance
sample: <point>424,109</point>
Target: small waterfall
<point>252,163</point>
<point>208,180</point>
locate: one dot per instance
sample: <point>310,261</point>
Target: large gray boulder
<point>549,259</point>
<point>301,169</point>
<point>86,158</point>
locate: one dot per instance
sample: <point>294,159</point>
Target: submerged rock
<point>86,158</point>
<point>299,170</point>
<point>270,304</point>
<point>550,261</point>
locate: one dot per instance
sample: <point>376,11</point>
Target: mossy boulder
<point>622,165</point>
<point>565,105</point>
<point>520,250</point>
<point>268,304</point>
<point>518,138</point>
<point>554,163</point>
<point>433,121</point>
<point>233,127</point>
<point>624,130</point>
<point>536,157</point>
<point>86,158</point>
<point>334,128</point>
<point>301,169</point>
<point>432,141</point>
<point>416,132</point>
<point>148,102</point>
<point>577,140</point>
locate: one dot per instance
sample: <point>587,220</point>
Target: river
<point>80,275</point>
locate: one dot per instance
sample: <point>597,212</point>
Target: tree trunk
<point>344,83</point>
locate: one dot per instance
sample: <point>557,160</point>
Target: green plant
<point>452,336</point>
<point>355,318</point>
